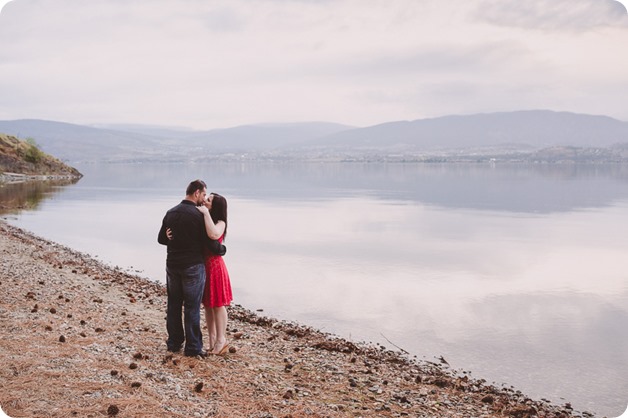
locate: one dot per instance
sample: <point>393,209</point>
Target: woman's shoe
<point>224,350</point>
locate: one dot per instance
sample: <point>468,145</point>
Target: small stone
<point>488,399</point>
<point>375,389</point>
<point>199,387</point>
<point>53,311</point>
<point>232,350</point>
<point>48,328</point>
<point>62,339</point>
<point>113,410</point>
<point>114,372</point>
<point>136,384</point>
<point>99,329</point>
<point>138,356</point>
<point>132,366</point>
<point>441,383</point>
<point>288,395</point>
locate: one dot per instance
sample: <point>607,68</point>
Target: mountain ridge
<point>525,130</point>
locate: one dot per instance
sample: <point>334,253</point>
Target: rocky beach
<point>82,339</point>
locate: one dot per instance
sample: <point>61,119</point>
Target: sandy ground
<point>80,339</point>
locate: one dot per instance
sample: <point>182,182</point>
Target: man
<point>185,269</point>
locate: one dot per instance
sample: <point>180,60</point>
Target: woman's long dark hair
<point>218,211</point>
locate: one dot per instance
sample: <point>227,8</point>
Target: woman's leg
<point>220,317</point>
<point>211,327</point>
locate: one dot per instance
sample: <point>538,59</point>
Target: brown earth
<point>80,339</point>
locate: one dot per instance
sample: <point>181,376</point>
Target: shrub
<point>33,154</point>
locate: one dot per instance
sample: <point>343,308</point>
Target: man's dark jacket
<point>189,237</point>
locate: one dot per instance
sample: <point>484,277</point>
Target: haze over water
<point>515,273</point>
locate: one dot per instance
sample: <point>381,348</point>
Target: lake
<point>516,273</point>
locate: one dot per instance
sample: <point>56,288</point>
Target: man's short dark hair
<point>194,186</point>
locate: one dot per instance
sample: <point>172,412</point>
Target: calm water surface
<point>518,274</point>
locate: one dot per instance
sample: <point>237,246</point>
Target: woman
<point>217,295</point>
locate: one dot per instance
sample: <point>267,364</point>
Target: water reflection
<point>517,273</point>
<point>15,197</point>
<point>534,188</point>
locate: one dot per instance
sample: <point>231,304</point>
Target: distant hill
<point>535,129</point>
<point>264,137</point>
<point>522,131</point>
<point>80,143</point>
<point>24,157</point>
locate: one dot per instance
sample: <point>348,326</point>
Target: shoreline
<point>12,178</point>
<point>80,338</point>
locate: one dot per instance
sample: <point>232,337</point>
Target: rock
<point>113,410</point>
<point>62,339</point>
<point>441,383</point>
<point>488,399</point>
<point>198,387</point>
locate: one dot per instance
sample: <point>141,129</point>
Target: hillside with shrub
<point>24,157</point>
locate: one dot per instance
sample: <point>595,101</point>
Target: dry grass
<point>113,360</point>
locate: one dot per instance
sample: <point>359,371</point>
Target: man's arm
<point>162,238</point>
<point>215,247</point>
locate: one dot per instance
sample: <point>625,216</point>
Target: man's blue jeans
<point>185,291</point>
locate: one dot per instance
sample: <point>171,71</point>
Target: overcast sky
<point>218,63</point>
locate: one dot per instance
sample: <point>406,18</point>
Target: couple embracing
<point>194,231</point>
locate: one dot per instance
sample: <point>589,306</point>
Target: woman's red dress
<point>217,284</point>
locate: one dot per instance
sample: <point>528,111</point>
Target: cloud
<point>553,14</point>
<point>228,62</point>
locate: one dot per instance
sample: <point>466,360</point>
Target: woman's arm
<point>214,230</point>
